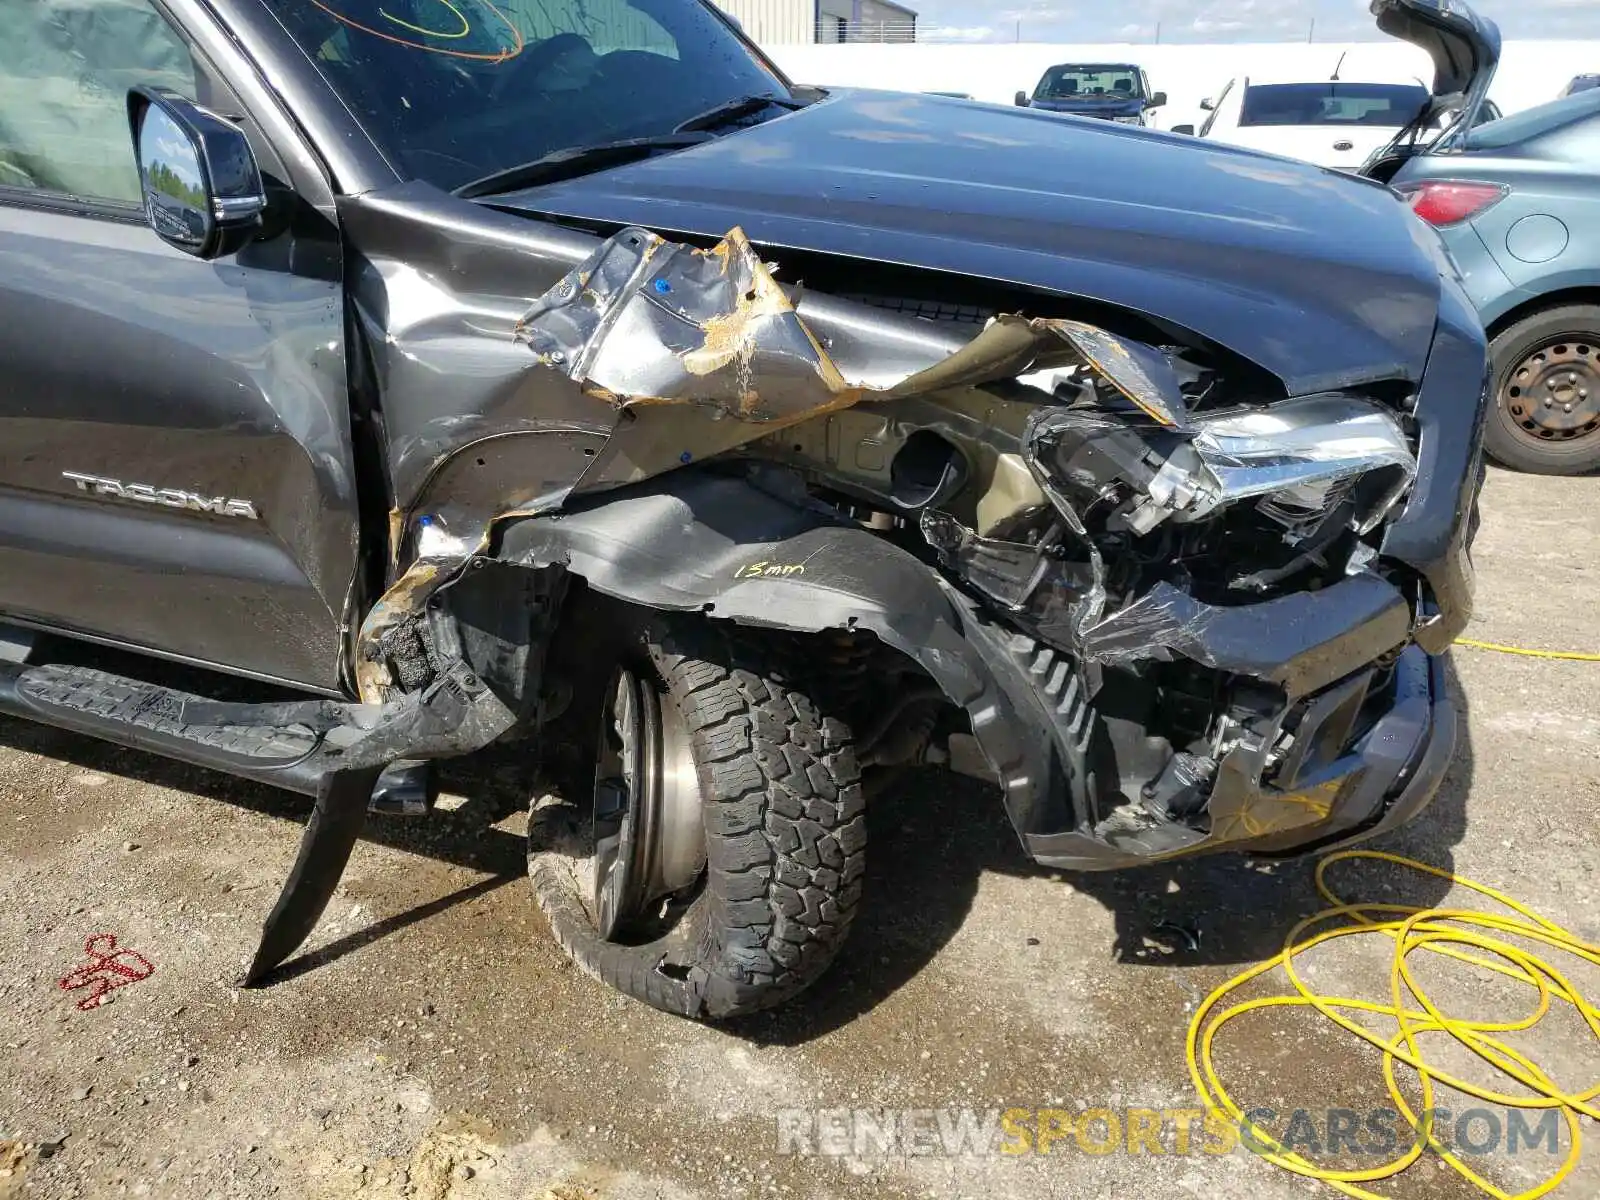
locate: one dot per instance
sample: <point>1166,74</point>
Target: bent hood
<point>1321,279</point>
<point>1464,47</point>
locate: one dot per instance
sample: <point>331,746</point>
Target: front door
<point>175,461</point>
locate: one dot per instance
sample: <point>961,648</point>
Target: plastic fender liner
<point>747,550</point>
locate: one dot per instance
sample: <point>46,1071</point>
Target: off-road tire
<point>1578,323</point>
<point>784,826</point>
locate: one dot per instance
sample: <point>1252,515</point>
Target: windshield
<point>1380,105</point>
<point>1094,84</point>
<point>455,90</point>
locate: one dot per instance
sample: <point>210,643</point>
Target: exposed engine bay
<point>1196,557</point>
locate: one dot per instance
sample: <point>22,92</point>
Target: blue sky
<point>1219,20</point>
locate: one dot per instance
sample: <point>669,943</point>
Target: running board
<point>335,752</point>
<point>146,716</point>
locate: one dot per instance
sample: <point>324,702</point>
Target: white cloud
<point>956,33</point>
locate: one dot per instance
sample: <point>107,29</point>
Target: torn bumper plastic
<point>1339,787</point>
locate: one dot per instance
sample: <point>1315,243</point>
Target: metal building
<point>785,22</point>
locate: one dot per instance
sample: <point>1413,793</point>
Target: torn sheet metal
<point>398,650</point>
<point>1143,375</point>
<point>647,321</point>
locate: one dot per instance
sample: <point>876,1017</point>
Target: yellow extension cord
<point>1441,931</point>
<point>1569,655</point>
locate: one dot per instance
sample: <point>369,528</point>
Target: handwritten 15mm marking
<point>108,968</point>
<point>769,570</point>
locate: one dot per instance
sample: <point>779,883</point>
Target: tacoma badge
<point>170,497</point>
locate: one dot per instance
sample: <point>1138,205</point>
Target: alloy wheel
<point>648,837</point>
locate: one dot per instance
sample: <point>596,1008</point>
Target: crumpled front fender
<point>752,551</point>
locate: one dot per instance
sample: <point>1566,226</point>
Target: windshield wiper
<point>732,110</point>
<point>576,160</point>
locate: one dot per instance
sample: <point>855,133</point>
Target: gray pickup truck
<point>383,380</point>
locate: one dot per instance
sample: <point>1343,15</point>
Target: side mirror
<point>1159,100</point>
<point>1208,105</point>
<point>202,189</point>
<point>1022,99</point>
<point>1188,129</point>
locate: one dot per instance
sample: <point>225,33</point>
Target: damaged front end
<point>1242,667</point>
<point>1181,611</point>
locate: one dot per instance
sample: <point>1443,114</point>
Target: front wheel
<point>1545,417</point>
<point>716,868</point>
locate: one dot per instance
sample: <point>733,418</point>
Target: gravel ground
<point>438,1045</point>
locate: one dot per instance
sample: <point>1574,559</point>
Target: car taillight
<point>1449,202</point>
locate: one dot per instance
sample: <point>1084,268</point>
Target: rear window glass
<point>1535,122</point>
<point>1381,105</point>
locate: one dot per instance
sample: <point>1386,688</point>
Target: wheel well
<point>1577,295</point>
<point>885,695</point>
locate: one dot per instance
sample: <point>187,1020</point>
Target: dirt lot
<point>438,1045</point>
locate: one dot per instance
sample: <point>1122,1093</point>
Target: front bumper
<point>1381,780</point>
<point>1368,715</point>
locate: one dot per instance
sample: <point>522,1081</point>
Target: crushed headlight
<point>1225,508</point>
<point>1298,456</point>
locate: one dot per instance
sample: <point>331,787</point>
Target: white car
<point>1332,122</point>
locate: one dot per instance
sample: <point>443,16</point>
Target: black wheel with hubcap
<point>1545,416</point>
<point>715,867</point>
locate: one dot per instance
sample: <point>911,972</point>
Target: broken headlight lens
<point>1300,457</point>
<point>1301,453</point>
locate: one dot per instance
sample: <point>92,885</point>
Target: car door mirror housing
<point>1188,129</point>
<point>1022,99</point>
<point>1159,100</point>
<point>202,189</point>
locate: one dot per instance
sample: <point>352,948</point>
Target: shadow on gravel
<point>463,837</point>
<point>930,837</point>
<point>352,942</point>
<point>496,784</point>
<point>933,835</point>
<point>1229,910</point>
